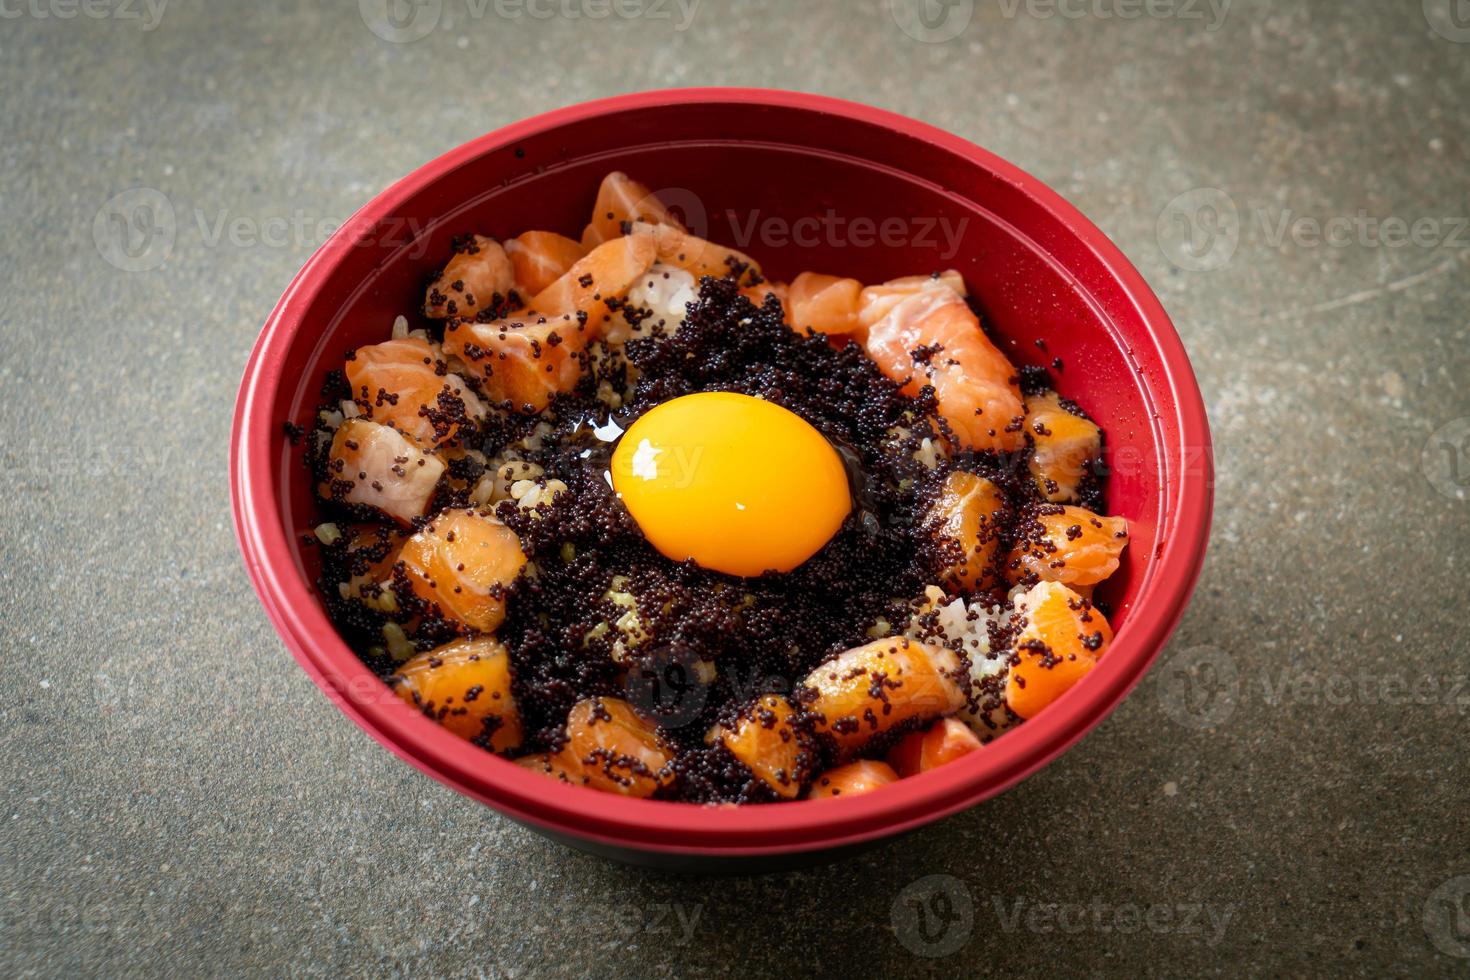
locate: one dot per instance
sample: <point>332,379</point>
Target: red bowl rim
<point>678,827</point>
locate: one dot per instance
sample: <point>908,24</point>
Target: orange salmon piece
<point>464,561</point>
<point>694,255</point>
<point>758,294</point>
<point>540,258</point>
<point>521,362</point>
<point>580,295</point>
<point>479,272</point>
<point>527,359</point>
<point>968,518</point>
<point>465,686</point>
<point>825,304</point>
<point>1067,544</point>
<point>875,302</point>
<point>377,466</point>
<point>853,779</point>
<point>868,690</point>
<point>609,748</point>
<point>622,200</point>
<point>405,383</point>
<point>943,742</point>
<point>767,744</point>
<point>932,337</point>
<point>1060,641</point>
<point>1062,446</point>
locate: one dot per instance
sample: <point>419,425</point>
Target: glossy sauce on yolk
<point>739,484</point>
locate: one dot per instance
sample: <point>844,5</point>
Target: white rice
<point>964,627</point>
<point>667,291</point>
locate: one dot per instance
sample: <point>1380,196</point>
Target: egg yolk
<point>738,484</point>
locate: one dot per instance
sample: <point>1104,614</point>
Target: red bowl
<point>801,181</point>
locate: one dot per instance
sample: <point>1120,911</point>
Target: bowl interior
<point>798,188</point>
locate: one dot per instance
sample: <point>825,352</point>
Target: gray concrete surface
<point>1285,795</point>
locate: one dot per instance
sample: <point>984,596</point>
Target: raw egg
<point>739,484</point>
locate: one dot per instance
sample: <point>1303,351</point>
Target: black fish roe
<point>705,645</point>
